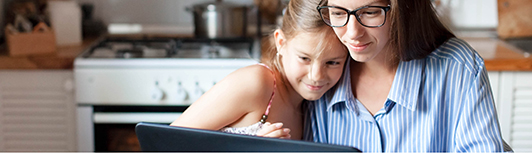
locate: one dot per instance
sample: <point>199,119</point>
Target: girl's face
<point>312,64</point>
<point>363,43</point>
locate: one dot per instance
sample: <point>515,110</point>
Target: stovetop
<point>189,48</point>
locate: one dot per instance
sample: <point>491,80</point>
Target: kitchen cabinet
<point>37,110</point>
<point>514,105</point>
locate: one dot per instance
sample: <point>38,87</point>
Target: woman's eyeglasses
<point>368,16</point>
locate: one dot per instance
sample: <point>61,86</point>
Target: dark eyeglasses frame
<point>385,8</point>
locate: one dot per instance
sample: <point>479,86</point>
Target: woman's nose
<point>355,30</point>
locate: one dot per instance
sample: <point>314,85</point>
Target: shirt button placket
<point>379,143</point>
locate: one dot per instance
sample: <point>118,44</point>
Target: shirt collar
<point>406,83</point>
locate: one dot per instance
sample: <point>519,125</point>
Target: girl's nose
<point>316,73</point>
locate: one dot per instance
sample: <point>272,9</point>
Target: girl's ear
<point>280,40</point>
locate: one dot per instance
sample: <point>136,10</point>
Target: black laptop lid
<point>161,137</point>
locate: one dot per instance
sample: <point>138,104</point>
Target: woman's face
<point>364,43</point>
<point>312,64</point>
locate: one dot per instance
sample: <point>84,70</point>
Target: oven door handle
<point>134,117</point>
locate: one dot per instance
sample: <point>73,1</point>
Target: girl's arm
<point>240,96</point>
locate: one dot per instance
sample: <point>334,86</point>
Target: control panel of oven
<point>180,86</point>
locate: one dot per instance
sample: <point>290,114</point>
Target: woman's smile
<point>358,47</point>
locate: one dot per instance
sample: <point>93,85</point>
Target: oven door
<point>113,127</point>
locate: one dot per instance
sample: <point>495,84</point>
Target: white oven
<point>122,81</point>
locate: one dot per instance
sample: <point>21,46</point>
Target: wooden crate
<point>37,42</point>
<point>515,18</point>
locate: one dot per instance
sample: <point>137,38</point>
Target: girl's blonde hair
<point>300,16</point>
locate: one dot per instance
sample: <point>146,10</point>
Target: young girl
<point>247,100</point>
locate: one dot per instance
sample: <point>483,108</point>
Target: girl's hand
<point>275,130</point>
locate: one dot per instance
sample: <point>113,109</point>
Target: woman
<point>413,88</point>
<point>247,99</point>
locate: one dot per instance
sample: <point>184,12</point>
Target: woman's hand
<point>275,130</point>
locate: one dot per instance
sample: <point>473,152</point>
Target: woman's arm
<point>478,127</point>
<point>243,93</point>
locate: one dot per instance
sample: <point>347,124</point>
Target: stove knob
<point>182,94</point>
<point>196,94</point>
<point>157,93</point>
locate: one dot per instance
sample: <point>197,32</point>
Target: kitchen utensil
<point>41,27</point>
<point>219,20</point>
<point>90,27</point>
<point>23,24</point>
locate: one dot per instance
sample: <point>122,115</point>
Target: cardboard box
<point>36,42</point>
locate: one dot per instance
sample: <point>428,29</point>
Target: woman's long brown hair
<point>416,30</point>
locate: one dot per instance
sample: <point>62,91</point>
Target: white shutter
<point>37,111</point>
<point>521,128</point>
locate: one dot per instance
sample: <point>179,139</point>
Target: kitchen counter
<point>63,58</point>
<point>498,56</point>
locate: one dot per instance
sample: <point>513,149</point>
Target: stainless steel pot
<point>219,20</point>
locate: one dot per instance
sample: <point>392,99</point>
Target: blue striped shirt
<point>441,103</point>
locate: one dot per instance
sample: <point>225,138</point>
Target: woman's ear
<point>280,40</point>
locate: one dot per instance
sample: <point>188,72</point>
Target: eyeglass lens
<point>369,17</point>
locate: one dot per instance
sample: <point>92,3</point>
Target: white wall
<point>470,14</point>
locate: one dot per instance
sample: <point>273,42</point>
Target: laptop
<point>162,137</point>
